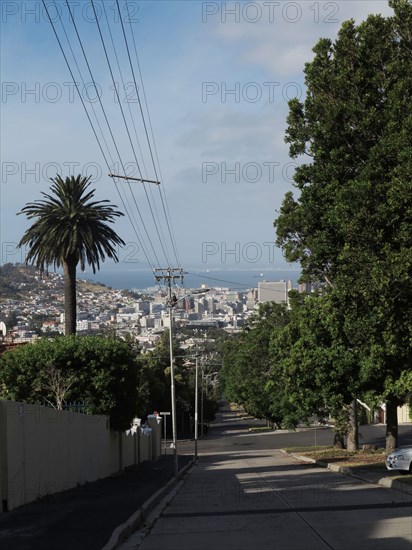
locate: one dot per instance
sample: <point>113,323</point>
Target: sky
<point>216,76</point>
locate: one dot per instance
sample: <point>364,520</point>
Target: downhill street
<point>245,493</point>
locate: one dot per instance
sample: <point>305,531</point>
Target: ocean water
<point>234,279</point>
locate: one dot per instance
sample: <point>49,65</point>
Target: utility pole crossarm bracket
<point>134,179</point>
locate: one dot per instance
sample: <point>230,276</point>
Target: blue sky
<point>217,77</point>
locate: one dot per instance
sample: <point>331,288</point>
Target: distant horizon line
<point>115,267</point>
<point>212,269</point>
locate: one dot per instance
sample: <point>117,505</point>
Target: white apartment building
<point>274,291</point>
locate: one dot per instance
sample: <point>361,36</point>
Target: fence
<point>45,451</point>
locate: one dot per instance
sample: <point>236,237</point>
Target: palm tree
<point>70,229</point>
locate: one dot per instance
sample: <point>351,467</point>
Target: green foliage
<point>246,363</point>
<point>69,225</point>
<point>156,368</point>
<point>102,372</point>
<point>312,370</point>
<point>70,229</point>
<point>156,365</point>
<point>355,125</point>
<point>350,224</point>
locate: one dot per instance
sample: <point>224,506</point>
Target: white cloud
<point>226,133</point>
<point>282,40</point>
<point>178,54</point>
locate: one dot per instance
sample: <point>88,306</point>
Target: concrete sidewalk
<point>267,500</point>
<point>84,518</point>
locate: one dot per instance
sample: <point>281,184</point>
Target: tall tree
<point>247,363</point>
<point>313,371</point>
<point>351,223</point>
<point>70,229</point>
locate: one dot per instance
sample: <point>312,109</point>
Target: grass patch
<point>375,458</point>
<point>307,449</point>
<point>361,461</point>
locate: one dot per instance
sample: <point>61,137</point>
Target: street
<point>230,430</point>
<point>246,493</point>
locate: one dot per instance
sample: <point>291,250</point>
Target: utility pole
<point>169,275</point>
<point>201,407</point>
<point>196,403</point>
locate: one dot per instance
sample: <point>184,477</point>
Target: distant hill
<point>13,278</point>
<point>18,280</point>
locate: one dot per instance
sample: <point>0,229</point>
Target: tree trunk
<point>353,431</point>
<point>341,428</point>
<point>391,425</point>
<point>69,267</point>
<point>338,440</point>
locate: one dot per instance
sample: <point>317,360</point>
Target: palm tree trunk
<point>69,267</point>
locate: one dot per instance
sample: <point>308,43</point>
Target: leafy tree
<point>313,372</point>
<point>69,230</point>
<point>247,363</point>
<point>156,365</point>
<point>157,372</point>
<point>350,224</point>
<point>104,373</point>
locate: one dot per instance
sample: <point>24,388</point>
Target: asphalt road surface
<point>246,494</point>
<point>229,431</point>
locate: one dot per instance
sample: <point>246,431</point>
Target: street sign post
<point>165,415</point>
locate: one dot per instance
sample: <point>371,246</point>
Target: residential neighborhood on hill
<point>32,306</point>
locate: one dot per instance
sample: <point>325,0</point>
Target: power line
<point>124,88</point>
<point>235,283</point>
<point>84,85</point>
<point>152,209</point>
<point>127,127</point>
<point>114,143</point>
<point>163,200</point>
<point>89,119</point>
<point>105,155</point>
<point>134,126</point>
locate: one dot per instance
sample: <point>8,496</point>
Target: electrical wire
<point>156,214</point>
<point>90,121</point>
<point>84,85</point>
<point>162,196</point>
<point>117,150</point>
<point>127,128</point>
<point>115,145</point>
<point>153,209</point>
<point>266,287</point>
<point>106,154</point>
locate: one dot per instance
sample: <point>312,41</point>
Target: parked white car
<point>400,459</point>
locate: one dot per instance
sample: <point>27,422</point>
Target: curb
<point>386,482</point>
<point>123,531</point>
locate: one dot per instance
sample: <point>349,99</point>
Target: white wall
<point>404,414</point>
<point>44,451</point>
